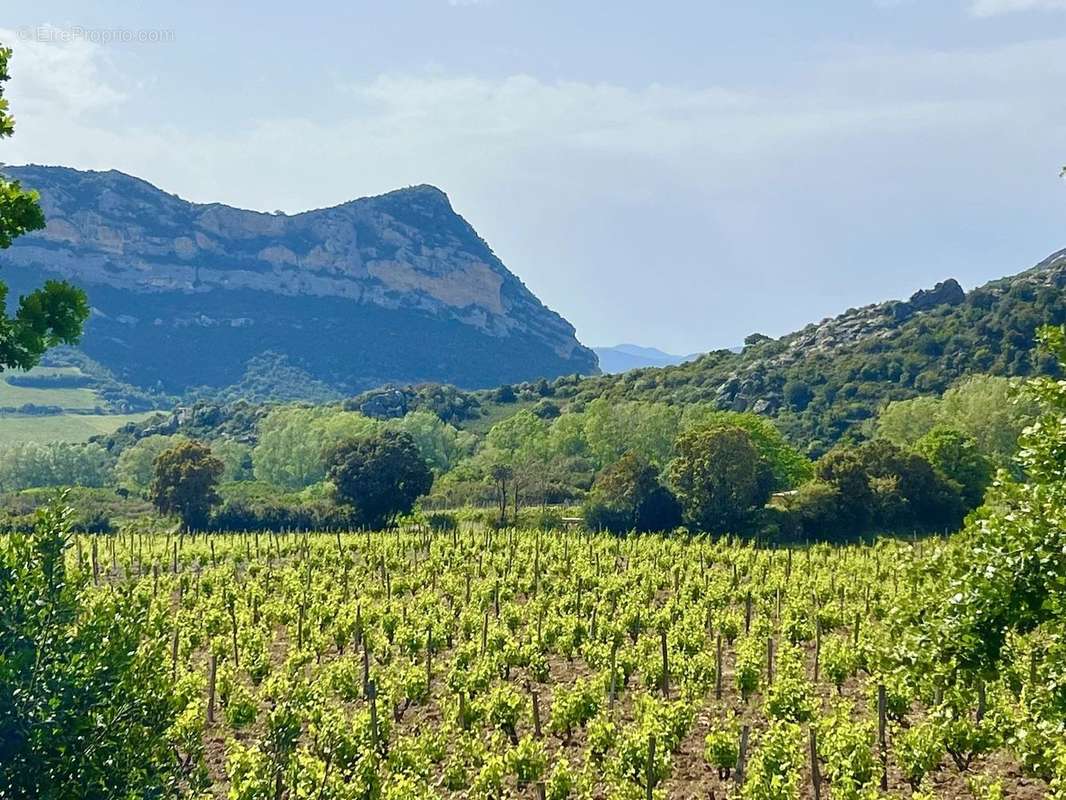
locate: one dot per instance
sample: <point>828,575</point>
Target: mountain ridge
<point>823,381</point>
<point>399,283</point>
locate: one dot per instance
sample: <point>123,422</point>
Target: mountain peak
<point>396,287</point>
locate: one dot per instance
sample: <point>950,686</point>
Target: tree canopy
<point>628,496</point>
<point>720,478</point>
<point>379,476</point>
<point>185,483</point>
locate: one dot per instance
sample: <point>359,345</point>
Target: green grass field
<point>62,427</point>
<point>73,399</point>
<point>73,427</point>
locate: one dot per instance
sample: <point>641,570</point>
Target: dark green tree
<point>185,483</point>
<point>53,314</point>
<point>86,698</point>
<point>627,496</point>
<point>379,476</point>
<point>890,487</point>
<point>720,478</point>
<point>957,456</point>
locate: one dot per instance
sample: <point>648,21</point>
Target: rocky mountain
<point>397,288</point>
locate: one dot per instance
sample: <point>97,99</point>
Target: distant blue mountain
<point>624,357</point>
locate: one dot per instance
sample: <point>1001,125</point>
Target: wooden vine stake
<point>614,668</point>
<point>372,699</point>
<point>174,656</point>
<point>718,669</point>
<point>742,755</point>
<point>366,664</point>
<point>233,628</point>
<point>212,667</point>
<point>666,665</point>
<point>651,765</point>
<point>429,660</point>
<point>536,713</point>
<point>770,661</point>
<point>817,647</point>
<point>882,742</point>
<point>816,775</point>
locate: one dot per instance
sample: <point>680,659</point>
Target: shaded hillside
<point>396,288</point>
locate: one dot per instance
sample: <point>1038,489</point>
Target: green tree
<point>906,421</point>
<point>720,478</point>
<point>53,314</point>
<point>789,467</point>
<point>999,611</point>
<point>889,487</point>
<point>185,483</point>
<point>441,445</point>
<point>992,411</point>
<point>30,464</point>
<point>627,496</point>
<point>86,698</point>
<point>379,476</point>
<point>135,468</point>
<point>236,458</point>
<point>294,442</point>
<point>984,407</point>
<point>612,429</point>
<point>957,456</point>
<point>518,444</point>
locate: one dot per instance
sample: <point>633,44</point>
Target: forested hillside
<point>821,383</point>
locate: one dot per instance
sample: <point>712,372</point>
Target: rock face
<point>392,288</point>
<point>945,293</point>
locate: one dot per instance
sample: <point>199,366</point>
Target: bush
<point>243,515</point>
<point>71,661</point>
<point>627,496</point>
<point>441,522</point>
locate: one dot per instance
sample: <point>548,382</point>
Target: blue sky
<point>676,174</point>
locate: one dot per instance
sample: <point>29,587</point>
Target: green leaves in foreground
<point>85,700</point>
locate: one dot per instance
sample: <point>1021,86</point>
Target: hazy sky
<point>676,174</point>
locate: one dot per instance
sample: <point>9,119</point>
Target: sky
<point>675,174</point>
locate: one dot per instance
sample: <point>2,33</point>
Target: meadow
<point>517,663</point>
<point>16,428</point>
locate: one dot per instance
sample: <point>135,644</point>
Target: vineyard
<point>488,664</point>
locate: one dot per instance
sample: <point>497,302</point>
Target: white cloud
<point>56,78</point>
<point>992,8</point>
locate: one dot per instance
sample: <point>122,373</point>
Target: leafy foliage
<point>86,701</point>
<point>185,483</point>
<point>720,478</point>
<point>627,496</point>
<point>379,476</point>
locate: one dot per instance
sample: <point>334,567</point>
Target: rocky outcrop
<point>757,379</point>
<point>945,293</point>
<point>397,287</point>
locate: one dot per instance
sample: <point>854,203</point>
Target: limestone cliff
<point>391,288</point>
